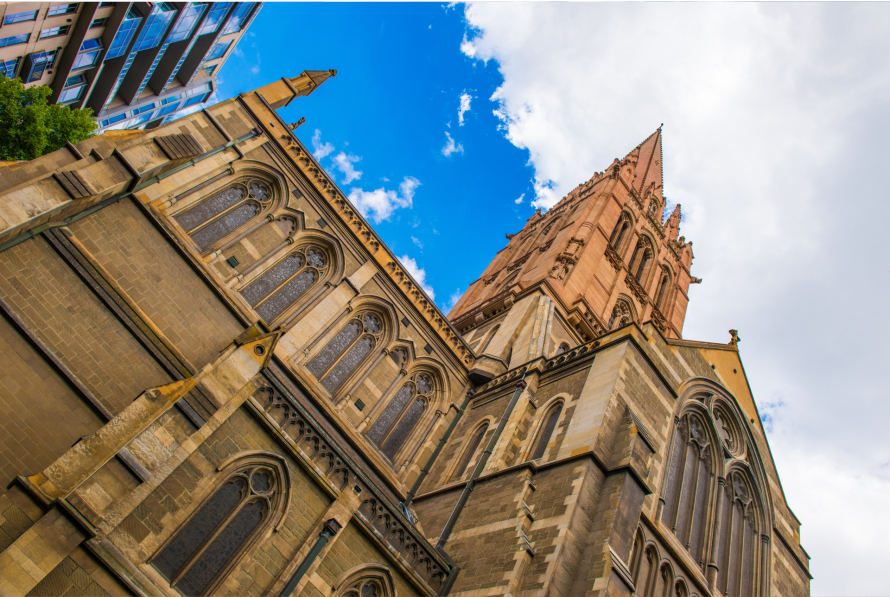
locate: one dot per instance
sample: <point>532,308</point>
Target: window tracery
<point>621,315</point>
<point>224,212</point>
<point>642,258</point>
<point>619,233</point>
<point>286,281</point>
<point>738,543</point>
<point>563,348</point>
<point>403,412</point>
<point>347,350</point>
<point>689,485</point>
<point>225,523</point>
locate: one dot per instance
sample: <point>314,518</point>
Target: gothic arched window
<point>392,427</point>
<point>662,289</point>
<point>346,351</point>
<point>286,281</point>
<point>621,315</point>
<point>642,258</point>
<point>738,543</point>
<point>547,427</point>
<point>470,450</point>
<point>688,490</point>
<point>619,233</point>
<point>223,213</point>
<point>196,555</point>
<point>371,580</point>
<point>488,340</point>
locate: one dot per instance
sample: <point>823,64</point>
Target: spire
<point>648,167</point>
<point>672,226</point>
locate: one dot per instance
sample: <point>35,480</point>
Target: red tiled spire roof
<point>648,167</point>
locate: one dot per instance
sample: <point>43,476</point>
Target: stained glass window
<point>223,213</point>
<point>346,351</point>
<point>205,545</point>
<point>285,282</point>
<point>400,416</point>
<point>363,588</point>
<point>222,226</point>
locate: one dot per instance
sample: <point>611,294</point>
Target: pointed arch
<point>287,283</point>
<point>349,349</point>
<point>249,497</point>
<point>546,426</point>
<point>642,259</point>
<point>410,403</point>
<point>691,480</point>
<point>489,338</point>
<point>739,535</point>
<point>251,196</point>
<point>662,289</point>
<point>562,349</point>
<point>470,449</point>
<point>621,232</point>
<point>367,580</point>
<point>623,313</point>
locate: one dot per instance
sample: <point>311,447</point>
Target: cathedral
<point>215,378</point>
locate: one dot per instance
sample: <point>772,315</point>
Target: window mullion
<point>340,356</point>
<point>285,283</point>
<point>209,540</point>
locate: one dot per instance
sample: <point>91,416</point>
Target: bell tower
<point>601,258</point>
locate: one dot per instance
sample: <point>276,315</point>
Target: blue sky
<point>775,126</point>
<point>390,110</point>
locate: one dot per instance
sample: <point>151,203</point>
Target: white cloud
<point>451,147</point>
<point>344,162</point>
<point>452,300</point>
<point>465,99</point>
<point>417,242</point>
<point>238,52</point>
<point>379,204</point>
<point>255,69</point>
<point>521,197</point>
<point>319,149</point>
<point>774,142</point>
<point>419,275</point>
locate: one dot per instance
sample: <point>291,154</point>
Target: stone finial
<point>735,337</point>
<point>296,124</point>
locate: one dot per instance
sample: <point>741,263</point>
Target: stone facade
<point>216,378</point>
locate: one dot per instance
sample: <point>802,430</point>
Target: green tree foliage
<point>30,128</point>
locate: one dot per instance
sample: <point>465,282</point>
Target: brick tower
<point>601,454</point>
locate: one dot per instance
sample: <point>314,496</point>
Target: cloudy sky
<point>448,125</point>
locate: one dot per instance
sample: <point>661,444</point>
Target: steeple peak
<point>648,162</point>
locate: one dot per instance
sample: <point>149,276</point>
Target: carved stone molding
<point>659,320</point>
<point>636,289</point>
<point>614,259</point>
<point>346,212</point>
<point>378,512</point>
